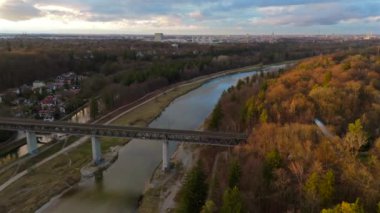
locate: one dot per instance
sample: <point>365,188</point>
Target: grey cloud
<point>17,10</point>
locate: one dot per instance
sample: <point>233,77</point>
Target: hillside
<point>288,164</point>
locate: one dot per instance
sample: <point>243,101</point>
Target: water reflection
<point>121,186</point>
<point>83,116</point>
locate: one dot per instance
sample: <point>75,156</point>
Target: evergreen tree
<point>209,207</point>
<point>234,174</point>
<point>216,117</point>
<point>193,192</point>
<point>232,201</point>
<point>272,161</point>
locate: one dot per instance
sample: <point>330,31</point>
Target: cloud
<point>214,15</point>
<point>62,13</point>
<point>371,19</point>
<point>315,14</point>
<point>16,10</point>
<point>197,15</point>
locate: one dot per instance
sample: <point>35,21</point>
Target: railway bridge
<point>31,127</point>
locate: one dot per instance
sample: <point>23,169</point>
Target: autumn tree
<point>346,207</point>
<point>356,137</point>
<point>327,78</point>
<point>264,116</point>
<point>319,189</point>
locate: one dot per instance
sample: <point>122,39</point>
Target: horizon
<point>194,17</point>
<point>152,34</point>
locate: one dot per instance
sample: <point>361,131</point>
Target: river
<point>119,188</point>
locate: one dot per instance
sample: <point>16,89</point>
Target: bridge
<point>31,127</point>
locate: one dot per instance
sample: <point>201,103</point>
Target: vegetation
<point>303,168</point>
<point>94,108</point>
<point>232,202</point>
<point>122,70</point>
<point>57,175</point>
<point>234,174</point>
<point>209,207</point>
<point>346,208</point>
<point>193,192</point>
<point>216,117</point>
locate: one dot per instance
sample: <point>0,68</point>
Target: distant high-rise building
<point>158,36</point>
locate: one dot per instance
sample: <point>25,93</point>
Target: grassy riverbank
<point>162,193</point>
<point>40,184</point>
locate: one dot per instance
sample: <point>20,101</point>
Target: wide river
<point>120,187</point>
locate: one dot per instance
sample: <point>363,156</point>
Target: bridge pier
<point>96,150</point>
<point>165,155</point>
<point>31,142</point>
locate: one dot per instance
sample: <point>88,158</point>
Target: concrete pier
<point>96,150</point>
<point>31,142</point>
<point>165,155</point>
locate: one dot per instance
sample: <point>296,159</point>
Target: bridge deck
<point>212,138</point>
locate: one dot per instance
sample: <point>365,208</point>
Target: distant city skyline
<point>217,17</point>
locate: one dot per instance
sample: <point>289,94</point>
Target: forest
<point>123,70</point>
<point>291,162</point>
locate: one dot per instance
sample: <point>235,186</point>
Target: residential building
<point>38,85</point>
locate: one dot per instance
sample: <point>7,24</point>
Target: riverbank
<point>50,179</point>
<point>162,191</point>
<point>40,184</point>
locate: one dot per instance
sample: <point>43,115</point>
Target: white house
<point>38,84</point>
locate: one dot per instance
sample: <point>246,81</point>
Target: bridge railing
<point>206,137</point>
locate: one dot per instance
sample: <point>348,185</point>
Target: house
<point>62,109</point>
<point>18,101</point>
<point>51,87</point>
<point>38,85</point>
<point>66,78</point>
<point>139,54</point>
<point>46,113</point>
<point>48,101</point>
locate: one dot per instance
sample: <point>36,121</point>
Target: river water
<point>119,188</point>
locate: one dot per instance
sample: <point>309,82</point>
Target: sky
<point>190,16</point>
